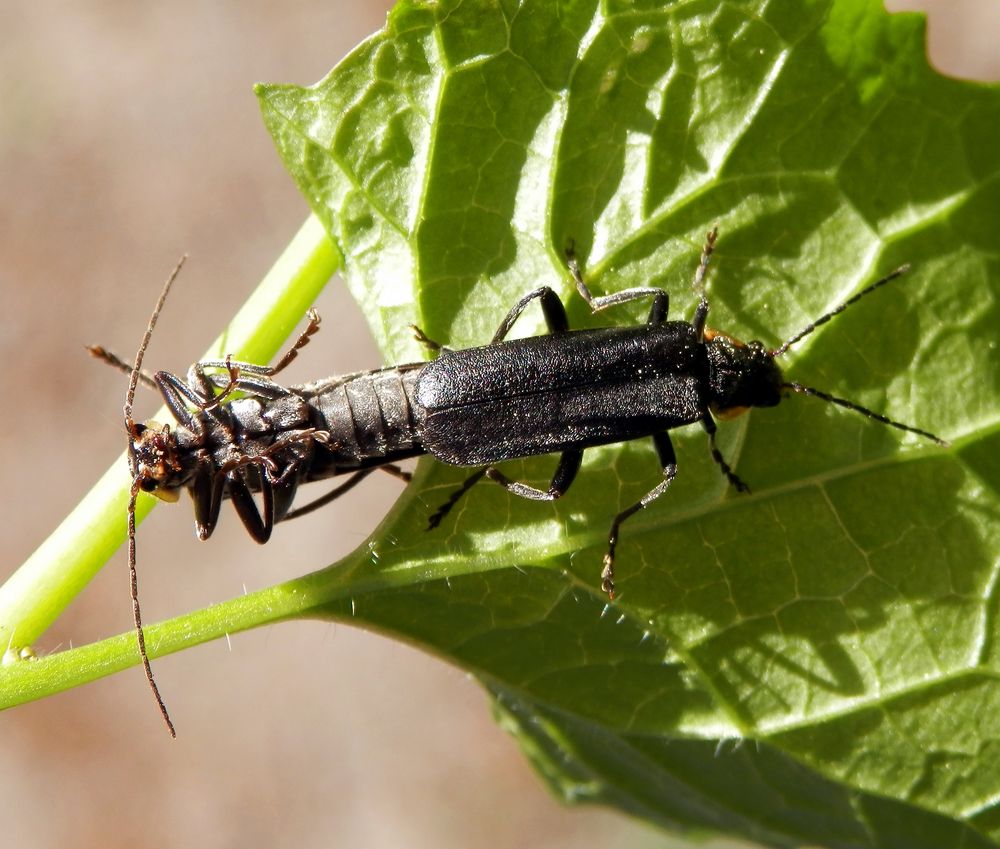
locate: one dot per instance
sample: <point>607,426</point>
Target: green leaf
<point>813,663</point>
<point>842,617</point>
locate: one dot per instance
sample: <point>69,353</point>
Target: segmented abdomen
<point>369,416</point>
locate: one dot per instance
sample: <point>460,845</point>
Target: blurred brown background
<point>128,135</point>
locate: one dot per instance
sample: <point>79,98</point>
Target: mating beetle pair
<point>562,392</point>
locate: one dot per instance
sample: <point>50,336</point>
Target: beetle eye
<point>147,485</point>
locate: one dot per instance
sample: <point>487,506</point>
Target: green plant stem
<point>35,595</point>
<point>325,593</point>
<point>25,682</point>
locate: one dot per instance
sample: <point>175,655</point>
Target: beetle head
<point>741,375</point>
<point>154,459</point>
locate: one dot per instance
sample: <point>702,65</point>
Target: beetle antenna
<point>857,408</point>
<point>133,575</point>
<point>133,432</point>
<point>823,319</point>
<point>133,380</point>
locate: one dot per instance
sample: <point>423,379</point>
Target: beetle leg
<point>396,472</point>
<point>298,345</point>
<point>198,376</point>
<point>206,490</point>
<point>332,495</point>
<point>233,474</point>
<point>239,377</point>
<point>734,479</point>
<point>268,371</point>
<point>698,284</point>
<point>569,465</point>
<point>657,312</point>
<point>349,484</point>
<point>199,380</point>
<point>427,342</point>
<point>668,462</point>
<point>552,309</point>
<point>454,498</point>
<point>283,494</point>
<point>174,391</point>
<point>259,523</point>
<point>259,387</point>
